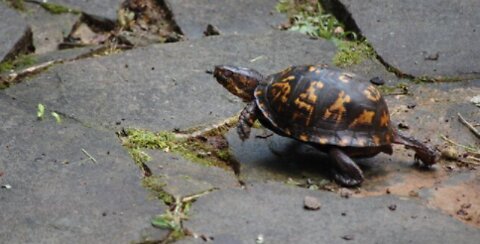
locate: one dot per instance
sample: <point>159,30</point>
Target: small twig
<point>89,156</point>
<point>457,144</point>
<point>477,161</point>
<point>257,58</point>
<point>195,196</point>
<point>10,78</point>
<point>465,122</point>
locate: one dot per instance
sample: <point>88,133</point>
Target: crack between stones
<point>337,9</point>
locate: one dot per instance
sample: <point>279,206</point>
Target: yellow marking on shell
<point>258,92</point>
<point>282,91</point>
<point>345,78</point>
<point>306,101</point>
<point>344,141</point>
<point>372,93</point>
<point>365,118</point>
<point>312,68</point>
<point>303,137</point>
<point>337,109</point>
<point>376,140</point>
<point>301,105</point>
<point>323,140</point>
<point>289,78</point>
<point>361,141</point>
<point>384,119</point>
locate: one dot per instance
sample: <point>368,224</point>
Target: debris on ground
<point>392,207</point>
<point>311,203</point>
<point>211,31</point>
<point>345,193</point>
<point>468,125</point>
<point>348,237</point>
<point>403,126</point>
<point>476,100</point>
<point>449,153</point>
<point>7,186</point>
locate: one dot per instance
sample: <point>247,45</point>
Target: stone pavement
<point>73,180</point>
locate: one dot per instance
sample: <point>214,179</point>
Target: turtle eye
<point>227,73</point>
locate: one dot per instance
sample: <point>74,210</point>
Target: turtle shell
<point>323,105</point>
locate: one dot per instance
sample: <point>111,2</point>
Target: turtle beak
<point>222,74</point>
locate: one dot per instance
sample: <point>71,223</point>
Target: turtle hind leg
<point>427,155</point>
<point>346,171</point>
<point>246,120</point>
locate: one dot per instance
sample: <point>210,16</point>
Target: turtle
<point>337,112</point>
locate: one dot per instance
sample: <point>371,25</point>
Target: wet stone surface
<point>229,17</point>
<point>58,192</point>
<point>434,38</point>
<point>162,87</point>
<point>53,192</point>
<point>15,34</point>
<point>241,216</point>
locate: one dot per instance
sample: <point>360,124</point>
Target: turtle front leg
<point>427,155</point>
<point>246,120</point>
<point>347,171</point>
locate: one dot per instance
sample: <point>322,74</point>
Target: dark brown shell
<point>326,106</point>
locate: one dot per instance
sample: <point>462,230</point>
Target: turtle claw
<point>347,180</point>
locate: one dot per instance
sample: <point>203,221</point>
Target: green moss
<point>58,9</point>
<point>156,184</point>
<point>139,156</point>
<point>352,52</point>
<point>399,89</point>
<point>19,62</point>
<point>192,149</point>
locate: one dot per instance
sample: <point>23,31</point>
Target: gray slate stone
<point>100,9</point>
<point>48,29</point>
<point>15,34</point>
<point>409,34</point>
<point>184,178</point>
<point>276,212</point>
<point>162,87</point>
<point>51,201</point>
<point>230,16</point>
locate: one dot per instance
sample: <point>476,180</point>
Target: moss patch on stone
<point>58,9</point>
<point>195,149</point>
<point>20,61</point>
<point>352,52</point>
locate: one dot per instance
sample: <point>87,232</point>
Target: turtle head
<point>239,81</point>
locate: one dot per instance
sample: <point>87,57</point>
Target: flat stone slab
<point>101,9</point>
<point>48,29</point>
<point>229,17</point>
<point>434,38</point>
<point>162,87</point>
<point>275,213</point>
<point>15,34</point>
<point>184,178</point>
<point>53,192</point>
